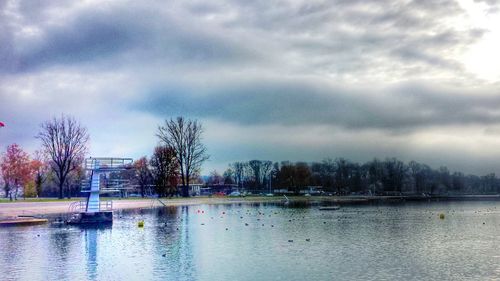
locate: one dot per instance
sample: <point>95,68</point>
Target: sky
<point>271,80</point>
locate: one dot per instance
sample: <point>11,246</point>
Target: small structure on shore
<point>93,210</point>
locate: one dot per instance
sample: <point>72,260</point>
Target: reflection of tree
<point>60,242</point>
<point>174,241</point>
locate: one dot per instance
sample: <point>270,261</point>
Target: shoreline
<point>47,207</point>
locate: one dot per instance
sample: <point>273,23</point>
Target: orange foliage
<point>16,167</point>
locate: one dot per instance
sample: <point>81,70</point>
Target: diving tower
<point>93,210</point>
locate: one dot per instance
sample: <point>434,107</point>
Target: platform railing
<point>114,164</point>
<point>109,185</point>
<point>77,206</point>
<point>81,206</point>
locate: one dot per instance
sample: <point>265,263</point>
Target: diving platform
<point>93,210</point>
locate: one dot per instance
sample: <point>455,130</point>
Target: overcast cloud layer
<point>288,80</point>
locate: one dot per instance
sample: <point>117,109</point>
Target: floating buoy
<point>441,216</point>
<point>140,224</point>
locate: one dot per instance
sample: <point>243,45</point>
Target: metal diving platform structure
<point>99,180</point>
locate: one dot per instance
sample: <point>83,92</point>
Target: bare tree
<point>184,136</point>
<point>239,172</point>
<point>65,142</point>
<point>142,174</point>
<point>40,166</point>
<point>164,169</point>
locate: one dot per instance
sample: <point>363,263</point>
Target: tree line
<point>341,176</point>
<point>56,169</point>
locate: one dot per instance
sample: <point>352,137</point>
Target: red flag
<point>2,124</point>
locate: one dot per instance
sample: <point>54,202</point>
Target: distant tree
<point>255,168</point>
<point>229,176</point>
<point>287,177</point>
<point>342,174</point>
<point>302,175</point>
<point>65,142</point>
<point>16,170</point>
<point>165,170</point>
<point>356,178</point>
<point>184,137</point>
<point>239,172</point>
<point>266,168</point>
<point>215,178</point>
<point>457,181</point>
<point>142,174</point>
<point>444,179</point>
<point>327,173</point>
<point>40,167</point>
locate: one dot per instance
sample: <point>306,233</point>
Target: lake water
<point>251,242</point>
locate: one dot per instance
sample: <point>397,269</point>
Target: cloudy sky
<point>277,80</point>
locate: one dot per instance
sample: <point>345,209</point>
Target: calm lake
<point>405,241</point>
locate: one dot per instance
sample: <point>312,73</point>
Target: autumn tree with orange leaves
<point>16,170</point>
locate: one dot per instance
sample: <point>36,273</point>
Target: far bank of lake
<point>45,206</point>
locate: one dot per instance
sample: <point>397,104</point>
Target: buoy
<point>308,239</point>
<point>441,216</point>
<point>164,255</point>
<point>290,240</point>
<point>140,224</point>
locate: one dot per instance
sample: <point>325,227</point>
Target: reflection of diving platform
<point>93,210</point>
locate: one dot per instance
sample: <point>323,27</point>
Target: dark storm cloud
<point>322,36</point>
<point>98,36</point>
<point>286,102</point>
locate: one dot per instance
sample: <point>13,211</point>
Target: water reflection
<point>251,242</point>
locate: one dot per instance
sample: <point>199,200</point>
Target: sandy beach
<point>25,207</point>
